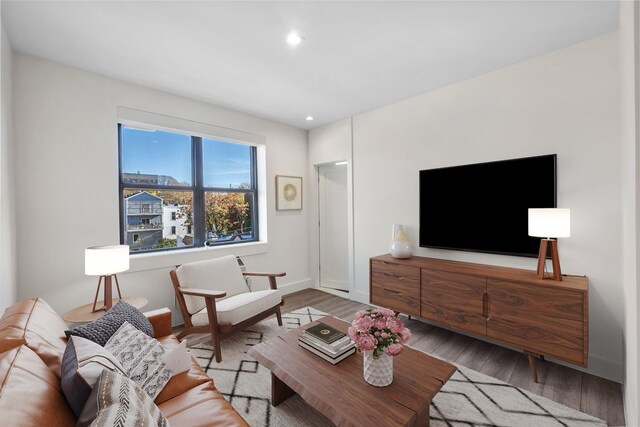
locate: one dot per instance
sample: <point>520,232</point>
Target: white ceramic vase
<point>378,372</point>
<point>400,244</point>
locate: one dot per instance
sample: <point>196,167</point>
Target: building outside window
<point>179,191</point>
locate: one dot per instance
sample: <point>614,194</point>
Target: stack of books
<point>327,342</point>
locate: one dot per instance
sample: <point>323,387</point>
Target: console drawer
<point>396,286</point>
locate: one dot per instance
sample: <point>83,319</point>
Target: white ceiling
<point>356,56</point>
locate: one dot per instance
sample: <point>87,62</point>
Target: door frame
<point>350,229</point>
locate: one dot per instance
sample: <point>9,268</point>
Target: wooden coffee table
<point>340,391</point>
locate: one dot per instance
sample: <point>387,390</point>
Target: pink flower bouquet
<point>378,330</point>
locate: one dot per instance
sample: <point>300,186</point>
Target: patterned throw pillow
<point>101,330</point>
<point>118,401</point>
<point>177,359</point>
<point>82,364</point>
<point>141,358</point>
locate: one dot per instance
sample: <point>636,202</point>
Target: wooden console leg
<point>532,364</point>
<point>279,391</point>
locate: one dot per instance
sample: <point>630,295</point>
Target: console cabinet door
<point>395,286</point>
<point>540,319</point>
<point>454,299</point>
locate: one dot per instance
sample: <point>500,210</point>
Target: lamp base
<point>545,246</point>
<point>108,293</point>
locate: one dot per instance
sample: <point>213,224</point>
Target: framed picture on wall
<point>288,193</point>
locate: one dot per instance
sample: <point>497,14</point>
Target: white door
<point>333,218</point>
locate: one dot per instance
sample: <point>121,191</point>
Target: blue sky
<point>164,153</point>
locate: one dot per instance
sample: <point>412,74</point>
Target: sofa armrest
<point>161,321</point>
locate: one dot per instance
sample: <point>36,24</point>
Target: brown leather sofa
<point>32,342</point>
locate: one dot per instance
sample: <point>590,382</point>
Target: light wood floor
<point>585,392</point>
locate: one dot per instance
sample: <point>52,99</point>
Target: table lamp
<point>106,261</point>
<point>549,223</point>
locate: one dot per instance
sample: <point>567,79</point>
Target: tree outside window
<point>209,197</point>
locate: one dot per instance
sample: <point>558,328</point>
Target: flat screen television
<point>483,207</point>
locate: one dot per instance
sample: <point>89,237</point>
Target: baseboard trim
<point>362,297</point>
<point>601,367</point>
<point>630,408</point>
<point>334,284</point>
<point>341,294</point>
<point>289,288</point>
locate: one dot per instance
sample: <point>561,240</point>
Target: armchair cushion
<point>237,308</point>
<point>222,274</point>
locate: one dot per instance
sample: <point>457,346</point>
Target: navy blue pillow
<point>99,331</point>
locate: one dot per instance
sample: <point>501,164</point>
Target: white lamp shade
<point>106,260</point>
<point>550,222</point>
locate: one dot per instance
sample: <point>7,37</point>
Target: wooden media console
<point>507,305</point>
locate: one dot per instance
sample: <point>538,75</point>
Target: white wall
<point>328,144</point>
<point>566,102</point>
<point>7,206</point>
<point>629,90</point>
<point>67,184</point>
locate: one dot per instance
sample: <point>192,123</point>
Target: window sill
<point>157,260</point>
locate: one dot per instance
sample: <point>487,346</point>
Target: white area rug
<point>469,398</point>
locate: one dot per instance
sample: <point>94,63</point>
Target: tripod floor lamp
<point>549,223</point>
<point>106,261</point>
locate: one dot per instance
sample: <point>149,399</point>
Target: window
<point>208,186</point>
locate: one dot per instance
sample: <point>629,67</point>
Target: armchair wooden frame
<point>219,331</point>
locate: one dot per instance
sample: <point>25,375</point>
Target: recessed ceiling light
<point>294,38</point>
<point>309,118</point>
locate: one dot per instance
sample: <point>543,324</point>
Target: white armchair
<point>213,296</point>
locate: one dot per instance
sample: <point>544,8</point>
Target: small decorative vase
<point>400,244</point>
<point>378,372</point>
